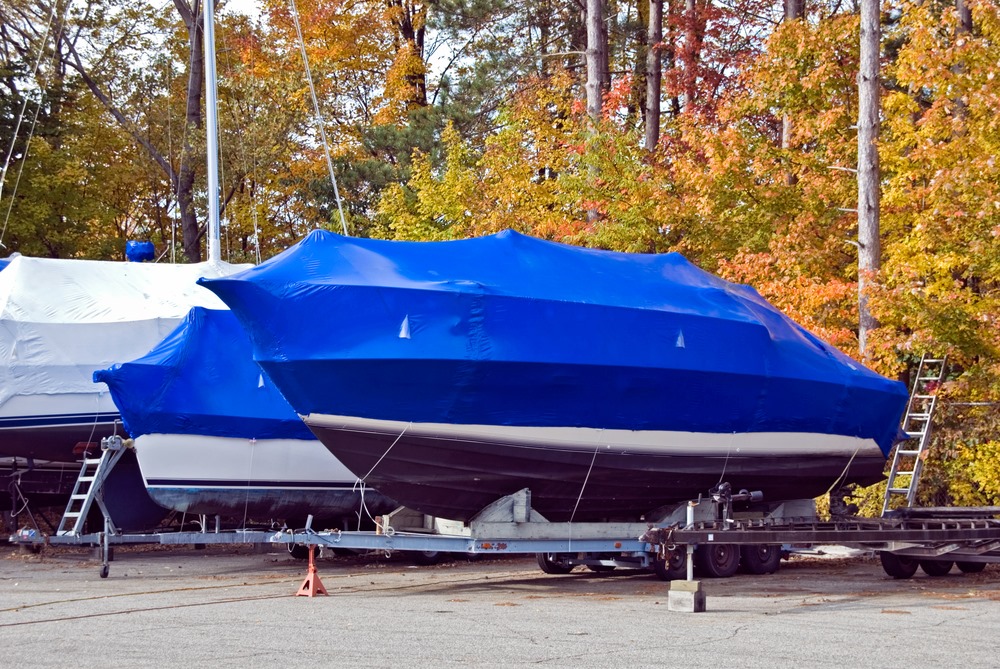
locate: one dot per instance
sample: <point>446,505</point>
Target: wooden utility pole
<point>869,245</point>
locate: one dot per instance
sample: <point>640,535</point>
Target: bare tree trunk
<point>190,230</point>
<point>964,28</point>
<point>964,16</point>
<point>691,53</point>
<point>637,87</point>
<point>869,250</point>
<point>671,52</point>
<point>411,26</point>
<point>654,35</point>
<point>56,93</point>
<point>794,9</point>
<point>597,58</point>
<point>181,180</point>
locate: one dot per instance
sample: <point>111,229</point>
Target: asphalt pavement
<point>236,606</point>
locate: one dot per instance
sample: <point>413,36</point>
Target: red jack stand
<point>312,586</point>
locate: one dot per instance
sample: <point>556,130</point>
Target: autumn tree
<point>941,271</point>
<point>43,207</point>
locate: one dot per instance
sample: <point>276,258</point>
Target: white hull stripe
<point>198,484</point>
<point>186,460</point>
<point>644,442</point>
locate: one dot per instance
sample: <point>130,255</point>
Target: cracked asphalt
<point>229,606</point>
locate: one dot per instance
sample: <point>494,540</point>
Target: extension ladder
<point>88,488</point>
<point>908,460</point>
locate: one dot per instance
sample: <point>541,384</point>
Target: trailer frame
<point>968,535</point>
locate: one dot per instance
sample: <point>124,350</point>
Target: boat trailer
<point>717,534</point>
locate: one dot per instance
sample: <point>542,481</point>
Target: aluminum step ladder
<point>908,457</point>
<point>88,488</point>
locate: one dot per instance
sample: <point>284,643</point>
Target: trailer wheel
<point>717,560</point>
<point>897,566</point>
<point>673,568</point>
<point>426,558</point>
<point>761,558</point>
<point>551,563</point>
<point>971,567</point>
<point>936,567</point>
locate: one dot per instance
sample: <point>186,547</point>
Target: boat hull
<point>609,384</point>
<point>578,474</point>
<point>252,479</point>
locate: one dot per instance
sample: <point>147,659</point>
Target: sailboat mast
<point>212,130</point>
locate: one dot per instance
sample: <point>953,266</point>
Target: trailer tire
<point>551,563</point>
<point>761,558</point>
<point>936,567</point>
<point>673,568</point>
<point>426,558</point>
<point>717,560</point>
<point>897,566</point>
<point>971,567</point>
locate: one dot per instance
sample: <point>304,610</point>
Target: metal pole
<point>212,131</point>
<point>690,547</point>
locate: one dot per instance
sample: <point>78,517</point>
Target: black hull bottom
<point>50,485</point>
<point>262,504</point>
<point>456,479</point>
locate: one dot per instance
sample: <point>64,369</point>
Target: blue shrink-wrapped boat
<point>213,435</point>
<point>449,374</point>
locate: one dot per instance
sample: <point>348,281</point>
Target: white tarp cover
<point>62,319</point>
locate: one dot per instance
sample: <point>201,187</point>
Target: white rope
<point>386,452</point>
<point>725,463</point>
<point>246,499</point>
<point>584,486</point>
<point>97,417</point>
<point>361,487</point>
<point>173,191</point>
<point>846,469</point>
<point>319,116</point>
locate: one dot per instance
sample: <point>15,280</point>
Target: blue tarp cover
<point>201,379</point>
<point>137,251</point>
<point>512,330</point>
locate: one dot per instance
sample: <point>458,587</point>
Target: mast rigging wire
<point>319,116</point>
<point>17,127</point>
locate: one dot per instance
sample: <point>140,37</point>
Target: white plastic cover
<point>62,319</point>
